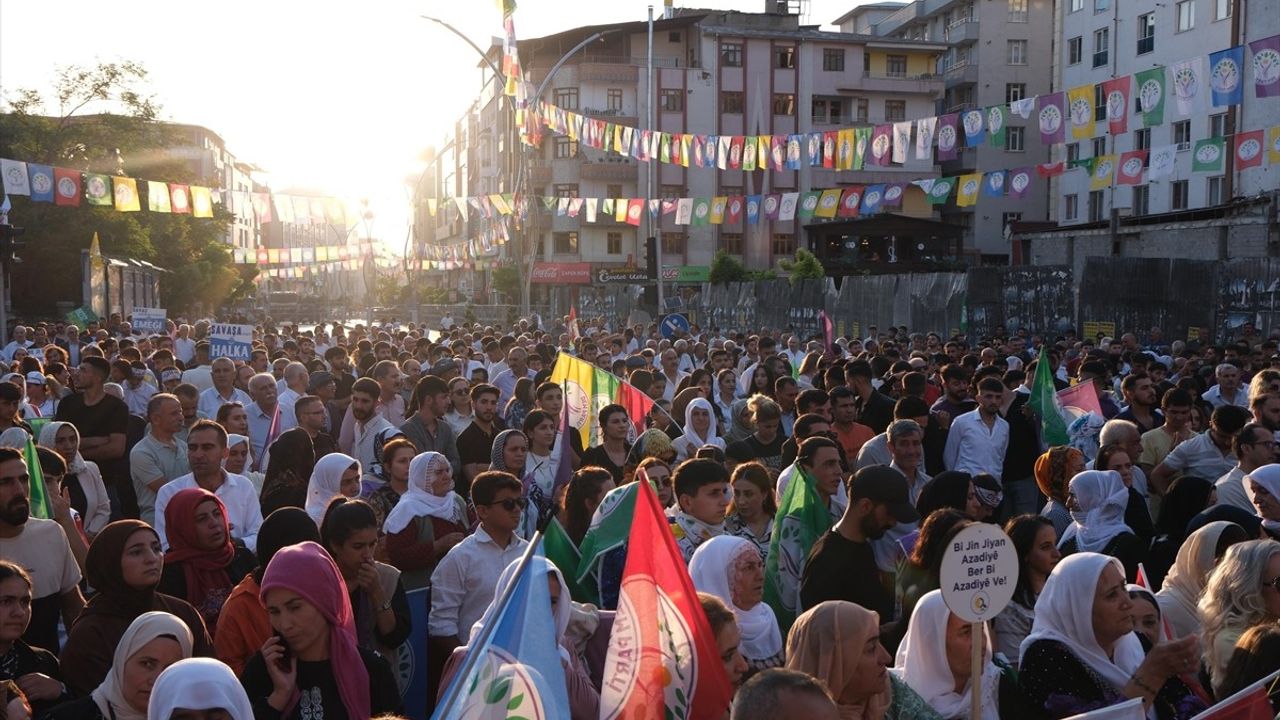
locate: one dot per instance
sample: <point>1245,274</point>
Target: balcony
<point>609,171</point>
<point>539,173</point>
<point>961,74</point>
<point>613,115</point>
<point>928,83</point>
<point>961,32</point>
<point>966,160</point>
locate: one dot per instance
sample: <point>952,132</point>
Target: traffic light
<point>9,242</point>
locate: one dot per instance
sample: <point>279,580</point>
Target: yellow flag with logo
<point>1273,145</point>
<point>126,194</point>
<point>717,209</point>
<point>828,203</point>
<point>967,190</point>
<point>587,390</point>
<point>1104,169</point>
<point>1080,110</point>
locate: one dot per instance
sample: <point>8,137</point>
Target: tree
<point>726,268</point>
<point>506,280</point>
<point>806,265</point>
<point>101,120</point>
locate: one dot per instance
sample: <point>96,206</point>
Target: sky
<point>317,95</point>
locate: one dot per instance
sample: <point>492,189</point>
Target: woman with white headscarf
<point>198,684</point>
<point>1180,595</point>
<point>15,438</point>
<point>730,568</point>
<point>935,659</point>
<point>428,520</point>
<point>699,430</point>
<point>584,699</point>
<point>83,480</point>
<point>239,460</point>
<point>1082,653</point>
<point>1262,486</point>
<point>1097,500</point>
<point>153,642</point>
<point>335,475</point>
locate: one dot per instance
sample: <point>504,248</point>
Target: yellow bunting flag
<point>967,193</point>
<point>126,194</point>
<point>201,202</point>
<point>158,197</point>
<point>1080,110</point>
<point>1104,168</point>
<point>828,203</point>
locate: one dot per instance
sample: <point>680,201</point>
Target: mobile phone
<point>283,662</point>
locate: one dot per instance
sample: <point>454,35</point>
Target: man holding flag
<point>38,545</point>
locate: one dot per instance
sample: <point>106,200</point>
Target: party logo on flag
<point>1266,66</point>
<point>941,190</point>
<point>871,198</point>
<point>97,190</point>
<point>972,122</point>
<point>829,200</point>
<point>880,145</point>
<point>850,202</point>
<point>126,195</point>
<point>970,187</point>
<point>947,138</point>
<point>995,119</point>
<point>1103,169</point>
<point>1224,76</point>
<point>41,183</point>
<point>1186,84</point>
<point>995,183</point>
<point>1207,155</point>
<point>1050,120</point>
<point>1019,181</point>
<point>68,185</point>
<point>1151,95</point>
<point>179,199</point>
<point>1131,165</point>
<point>892,194</point>
<point>771,205</point>
<point>809,204</point>
<point>1249,149</point>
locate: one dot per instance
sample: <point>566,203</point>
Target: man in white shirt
<point>671,371</point>
<point>1228,390</point>
<point>295,383</point>
<point>206,449</point>
<point>1254,446</point>
<point>978,439</point>
<point>267,416</point>
<point>137,391</point>
<point>224,390</point>
<point>794,353</point>
<point>1207,455</point>
<point>368,423</point>
<point>464,582</point>
<point>19,341</point>
<point>198,372</point>
<point>184,348</point>
<point>505,381</point>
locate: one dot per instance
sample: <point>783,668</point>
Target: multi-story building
<point>205,155</point>
<point>716,73</point>
<point>1102,41</point>
<point>995,53</point>
<point>297,243</point>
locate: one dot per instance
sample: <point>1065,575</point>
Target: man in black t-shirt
<point>102,421</point>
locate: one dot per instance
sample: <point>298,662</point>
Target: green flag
<point>1044,402</point>
<point>610,527</point>
<point>1149,88</point>
<point>801,520</point>
<point>40,507</point>
<point>1208,155</point>
<point>559,549</point>
<point>861,139</point>
<point>808,204</point>
<point>940,190</point>
<point>97,190</point>
<point>997,119</point>
<point>701,211</point>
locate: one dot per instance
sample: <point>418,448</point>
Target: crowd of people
<point>242,538</point>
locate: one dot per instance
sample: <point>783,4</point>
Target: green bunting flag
<point>1148,85</point>
<point>1044,402</point>
<point>610,528</point>
<point>997,119</point>
<point>560,550</point>
<point>801,520</point>
<point>940,190</point>
<point>40,507</point>
<point>97,190</point>
<point>1208,155</point>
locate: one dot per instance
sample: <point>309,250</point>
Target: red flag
<point>1249,149</point>
<point>574,334</point>
<point>66,184</point>
<point>1048,170</point>
<point>1249,704</point>
<point>1131,166</point>
<point>1115,94</point>
<point>735,152</point>
<point>850,201</point>
<point>828,333</point>
<point>635,210</point>
<point>180,199</point>
<point>829,149</point>
<point>638,405</point>
<point>734,210</point>
<point>663,660</point>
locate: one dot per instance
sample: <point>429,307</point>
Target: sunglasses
<point>510,504</point>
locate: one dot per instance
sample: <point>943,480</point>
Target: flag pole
<point>454,691</point>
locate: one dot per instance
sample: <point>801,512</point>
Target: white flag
<point>591,210</point>
<point>1162,161</point>
<point>1022,108</point>
<point>787,211</point>
<point>901,139</point>
<point>1187,79</point>
<point>925,128</point>
<point>925,184</point>
<point>14,173</point>
<point>722,156</point>
<point>684,211</point>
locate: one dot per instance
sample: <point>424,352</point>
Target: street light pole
<point>655,219</point>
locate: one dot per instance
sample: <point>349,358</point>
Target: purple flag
<point>1050,115</point>
<point>1019,181</point>
<point>948,137</point>
<point>828,333</point>
<point>893,195</point>
<point>882,145</point>
<point>772,202</point>
<point>1266,66</point>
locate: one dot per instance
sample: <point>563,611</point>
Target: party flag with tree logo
<point>1044,403</point>
<point>801,520</point>
<point>663,660</point>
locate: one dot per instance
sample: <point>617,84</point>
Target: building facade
<point>995,53</point>
<point>205,155</point>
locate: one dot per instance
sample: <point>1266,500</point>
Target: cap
<point>170,374</point>
<point>35,378</point>
<point>444,365</point>
<point>318,380</point>
<point>886,486</point>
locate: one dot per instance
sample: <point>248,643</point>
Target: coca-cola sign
<point>562,273</point>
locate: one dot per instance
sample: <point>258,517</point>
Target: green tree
<point>726,268</point>
<point>100,119</point>
<point>806,265</point>
<point>506,279</point>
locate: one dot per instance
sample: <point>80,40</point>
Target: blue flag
<point>993,183</point>
<point>41,181</point>
<point>516,670</point>
<point>753,209</point>
<point>1226,76</point>
<point>872,196</point>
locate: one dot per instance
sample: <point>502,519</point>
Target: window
<point>1142,139</point>
<point>1075,48</point>
<point>784,244</point>
<point>1218,125</point>
<point>730,190</point>
<point>1014,92</point>
<point>1099,103</point>
<point>565,148</point>
<point>1095,205</point>
<point>896,66</point>
<point>613,243</point>
<point>614,101</point>
<point>784,104</point>
<point>1017,54</point>
<point>1018,11</point>
<point>1214,190</point>
<point>567,98</point>
<point>1146,33</point>
<point>613,191</point>
<point>866,63</point>
<point>731,243</point>
<point>1141,204</point>
<point>895,110</point>
<point>1182,134</point>
<point>1101,43</point>
<point>673,243</point>
<point>1015,139</point>
<point>1222,9</point>
<point>1071,208</point>
<point>1073,152</point>
<point>1185,13</point>
<point>569,190</point>
<point>837,111</point>
<point>1179,194</point>
<point>784,57</point>
<point>1077,5</point>
<point>672,100</point>
<point>731,54</point>
<point>833,59</point>
<point>864,110</point>
<point>665,191</point>
<point>731,102</point>
<point>673,36</point>
<point>1007,219</point>
<point>565,243</point>
<point>1099,146</point>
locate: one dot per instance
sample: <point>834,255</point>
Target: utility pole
<point>655,224</point>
